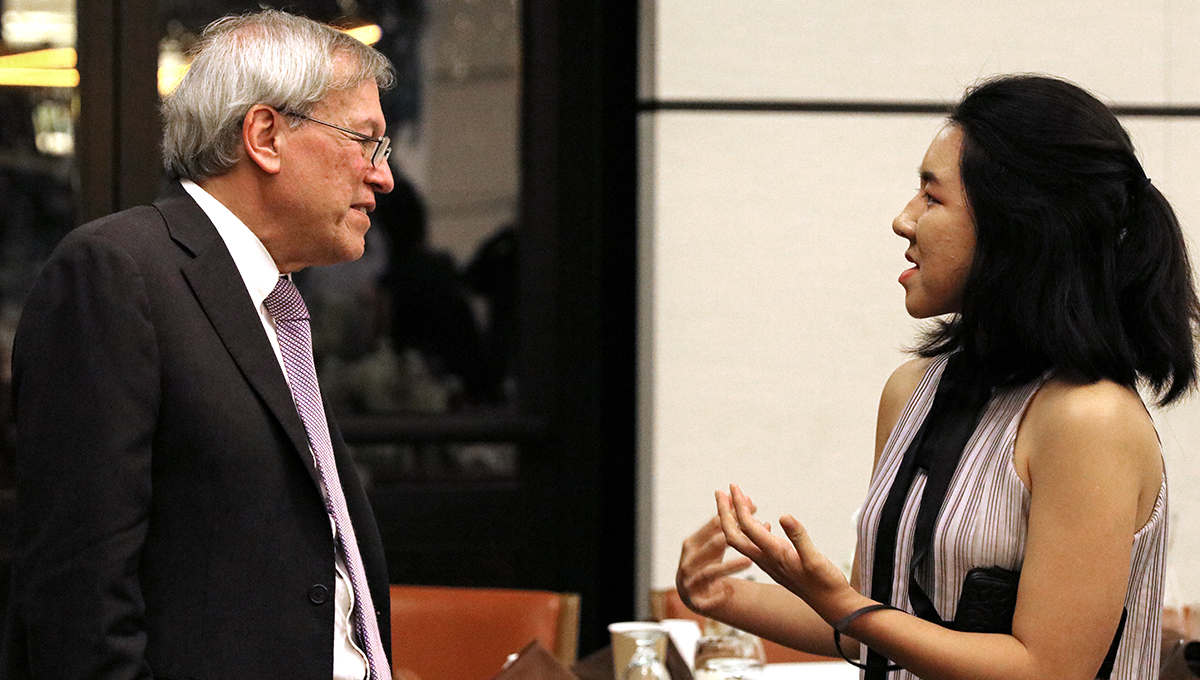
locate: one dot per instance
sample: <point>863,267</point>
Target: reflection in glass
<point>38,109</point>
<point>401,327</point>
<point>425,321</point>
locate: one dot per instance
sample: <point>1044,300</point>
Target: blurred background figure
<point>428,306</point>
<point>403,329</point>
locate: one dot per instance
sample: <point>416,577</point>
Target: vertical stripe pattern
<point>984,522</point>
<point>295,343</point>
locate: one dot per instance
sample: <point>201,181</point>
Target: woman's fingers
<point>791,559</point>
<point>708,542</point>
<point>807,551</point>
<point>798,535</point>
<point>700,578</point>
<point>756,532</point>
<point>731,526</point>
<point>705,551</point>
<point>744,508</point>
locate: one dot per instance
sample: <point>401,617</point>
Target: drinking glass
<point>729,654</point>
<point>645,664</point>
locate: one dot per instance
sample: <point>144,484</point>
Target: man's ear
<point>263,138</point>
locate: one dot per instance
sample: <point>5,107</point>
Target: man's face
<point>327,183</point>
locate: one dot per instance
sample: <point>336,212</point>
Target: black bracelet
<point>841,626</point>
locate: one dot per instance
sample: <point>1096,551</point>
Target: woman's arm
<point>704,581</point>
<point>1090,457</point>
<point>706,585</point>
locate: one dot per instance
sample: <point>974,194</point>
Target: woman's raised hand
<point>793,562</point>
<point>703,576</point>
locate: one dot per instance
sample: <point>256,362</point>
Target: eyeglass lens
<point>383,150</point>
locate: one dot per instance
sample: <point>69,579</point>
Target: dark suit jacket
<point>170,521</point>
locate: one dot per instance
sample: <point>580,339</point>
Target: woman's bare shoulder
<point>903,382</point>
<point>896,393</point>
<point>1064,409</point>
<point>1090,430</point>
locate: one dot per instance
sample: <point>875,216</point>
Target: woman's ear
<point>263,138</point>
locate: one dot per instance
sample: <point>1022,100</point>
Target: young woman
<point>1066,282</point>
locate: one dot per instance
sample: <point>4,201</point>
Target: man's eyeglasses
<point>383,145</point>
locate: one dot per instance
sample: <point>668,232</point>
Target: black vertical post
<point>95,141</point>
<point>117,137</point>
<point>137,125</point>
<point>579,237</point>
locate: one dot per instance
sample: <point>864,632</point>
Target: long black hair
<point>1080,264</point>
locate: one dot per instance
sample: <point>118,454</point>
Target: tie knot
<point>284,303</point>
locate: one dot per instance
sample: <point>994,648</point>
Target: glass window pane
<point>38,109</point>
<point>425,321</point>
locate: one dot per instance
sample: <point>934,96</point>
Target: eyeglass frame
<point>384,143</point>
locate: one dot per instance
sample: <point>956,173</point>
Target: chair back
<point>443,633</point>
<point>666,604</point>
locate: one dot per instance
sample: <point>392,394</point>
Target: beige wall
<point>771,312</point>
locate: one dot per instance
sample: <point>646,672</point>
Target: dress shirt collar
<point>253,261</point>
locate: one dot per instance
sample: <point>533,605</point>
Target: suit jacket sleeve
<point>86,382</point>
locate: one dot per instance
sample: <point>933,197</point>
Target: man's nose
<point>380,177</point>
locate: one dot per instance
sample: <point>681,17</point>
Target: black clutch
<point>988,601</point>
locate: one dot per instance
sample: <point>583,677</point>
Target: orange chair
<point>442,633</point>
<point>665,604</point>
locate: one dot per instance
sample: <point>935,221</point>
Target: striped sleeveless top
<point>984,522</point>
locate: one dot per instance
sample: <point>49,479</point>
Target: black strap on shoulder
<point>939,457</point>
<point>936,448</point>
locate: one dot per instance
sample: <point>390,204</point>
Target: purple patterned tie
<point>295,342</point>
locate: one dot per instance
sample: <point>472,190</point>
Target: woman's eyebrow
<point>927,176</point>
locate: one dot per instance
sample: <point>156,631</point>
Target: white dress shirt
<point>260,274</point>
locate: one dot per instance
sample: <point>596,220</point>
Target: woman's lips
<point>904,275</point>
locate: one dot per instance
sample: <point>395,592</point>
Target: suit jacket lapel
<point>218,286</point>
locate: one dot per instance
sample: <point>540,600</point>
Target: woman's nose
<point>905,224</point>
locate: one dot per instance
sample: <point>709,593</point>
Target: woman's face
<point>940,230</point>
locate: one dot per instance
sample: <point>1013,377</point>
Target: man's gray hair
<point>270,57</point>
